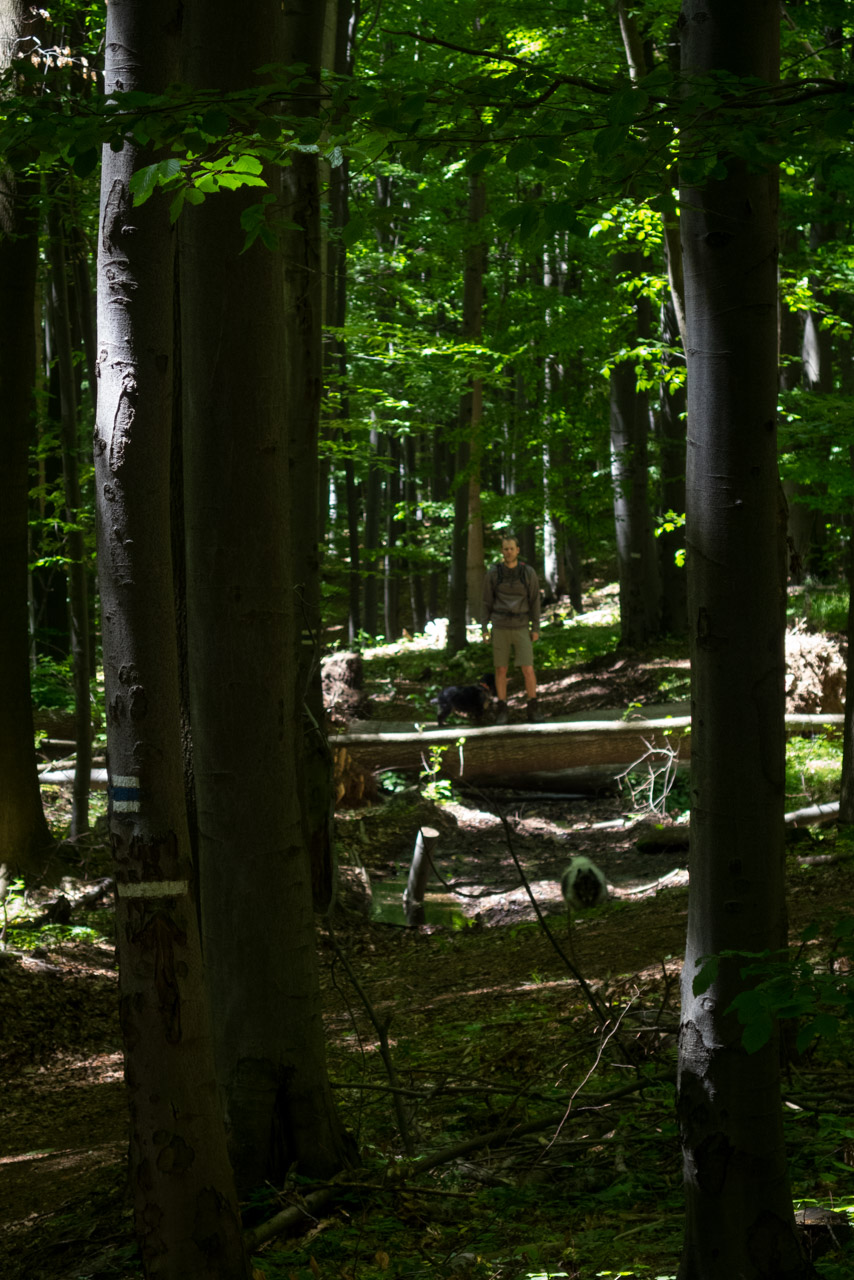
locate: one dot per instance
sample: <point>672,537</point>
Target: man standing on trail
<point>511,602</point>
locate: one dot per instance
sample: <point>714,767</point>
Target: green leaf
<point>478,162</point>
<point>86,162</point>
<point>144,181</point>
<point>310,131</point>
<point>825,1024</point>
<point>610,140</point>
<point>530,221</point>
<point>247,163</point>
<point>522,154</point>
<point>626,105</point>
<point>215,123</point>
<point>232,179</point>
<point>561,215</point>
<point>706,976</point>
<point>510,218</point>
<point>757,1033</point>
<point>177,205</point>
<point>354,231</point>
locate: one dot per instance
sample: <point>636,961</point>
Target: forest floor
<point>552,1144</point>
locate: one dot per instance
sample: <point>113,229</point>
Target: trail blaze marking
<point>124,794</point>
<point>153,889</point>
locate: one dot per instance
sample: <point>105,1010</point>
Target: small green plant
<point>437,789</point>
<point>821,610</point>
<point>13,899</point>
<point>392,782</point>
<point>814,767</point>
<point>51,685</point>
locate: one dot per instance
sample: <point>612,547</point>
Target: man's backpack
<point>520,565</point>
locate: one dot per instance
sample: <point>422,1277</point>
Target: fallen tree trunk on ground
<point>519,749</point>
<point>605,746</point>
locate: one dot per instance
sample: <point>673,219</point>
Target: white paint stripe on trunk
<point>153,889</point>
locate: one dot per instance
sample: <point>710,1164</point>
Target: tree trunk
<point>187,1219</point>
<point>671,444</point>
<point>457,585</point>
<point>310,758</point>
<point>411,486</point>
<point>373,500</point>
<point>846,790</point>
<point>241,357</point>
<point>24,836</point>
<point>639,588</point>
<point>471,407</point>
<point>739,1218</point>
<point>391,562</point>
<point>341,60</point>
<point>78,585</point>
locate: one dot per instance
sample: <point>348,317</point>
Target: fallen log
<point>520,749</point>
<point>553,751</point>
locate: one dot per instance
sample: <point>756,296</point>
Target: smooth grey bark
<point>25,840</point>
<point>807,521</point>
<point>467,568</point>
<point>554,575</point>
<point>846,790</point>
<point>457,585</point>
<point>417,604</point>
<point>391,561</point>
<point>342,21</point>
<point>471,405</point>
<point>671,451</point>
<point>633,521</point>
<point>78,577</point>
<point>739,1217</point>
<point>186,1214</point>
<point>302,250</point>
<point>370,559</point>
<point>242,361</point>
<point>671,431</point>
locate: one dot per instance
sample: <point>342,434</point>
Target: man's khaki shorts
<point>516,638</point>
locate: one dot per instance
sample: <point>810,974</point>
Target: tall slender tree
<point>78,578</point>
<point>245,366</point>
<point>630,428</point>
<point>185,1205</point>
<point>24,836</point>
<point>739,1211</point>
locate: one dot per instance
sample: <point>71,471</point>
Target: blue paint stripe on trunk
<point>124,793</point>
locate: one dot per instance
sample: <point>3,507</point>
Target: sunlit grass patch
<point>813,769</point>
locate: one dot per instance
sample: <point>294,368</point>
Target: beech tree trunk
<point>78,584</point>
<point>242,359</point>
<point>340,59</point>
<point>739,1217</point>
<point>187,1219</point>
<point>370,559</point>
<point>310,758</point>
<point>24,836</point>
<point>671,444</point>
<point>630,423</point>
<point>471,407</point>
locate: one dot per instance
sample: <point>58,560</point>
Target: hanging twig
<point>381,1028</point>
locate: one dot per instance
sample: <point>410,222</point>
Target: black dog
<point>466,699</point>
